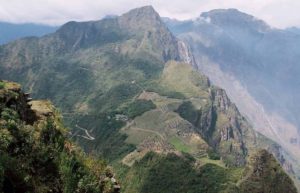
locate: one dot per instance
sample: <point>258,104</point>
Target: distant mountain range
<point>10,32</point>
<point>129,91</point>
<point>294,30</point>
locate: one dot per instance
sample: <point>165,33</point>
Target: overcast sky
<point>278,13</point>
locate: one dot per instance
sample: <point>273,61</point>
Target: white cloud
<point>278,13</point>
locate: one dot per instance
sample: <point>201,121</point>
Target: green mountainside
<point>36,155</point>
<point>174,174</point>
<point>124,90</point>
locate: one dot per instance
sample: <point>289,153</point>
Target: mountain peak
<point>145,9</point>
<point>233,17</point>
<point>141,18</point>
<point>142,13</point>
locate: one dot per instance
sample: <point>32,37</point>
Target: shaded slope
<point>10,32</point>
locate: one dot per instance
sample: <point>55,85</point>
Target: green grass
<point>179,144</point>
<point>137,136</point>
<point>182,78</point>
<point>2,85</point>
<point>206,160</point>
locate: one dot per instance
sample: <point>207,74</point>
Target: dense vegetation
<point>39,158</point>
<point>96,73</point>
<point>138,107</point>
<point>174,174</point>
<point>109,143</point>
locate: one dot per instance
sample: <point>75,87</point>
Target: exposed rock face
<point>280,155</point>
<point>221,100</point>
<point>142,25</point>
<point>264,174</point>
<point>146,23</point>
<point>185,54</point>
<point>12,97</point>
<point>216,119</point>
<point>233,128</point>
<point>141,19</point>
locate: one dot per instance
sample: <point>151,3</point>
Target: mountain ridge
<point>124,96</point>
<point>10,32</point>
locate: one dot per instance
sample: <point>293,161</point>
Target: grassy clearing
<point>154,120</point>
<point>181,78</point>
<point>206,160</point>
<point>179,144</point>
<point>10,85</point>
<point>137,136</point>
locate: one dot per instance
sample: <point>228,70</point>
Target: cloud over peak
<point>278,13</point>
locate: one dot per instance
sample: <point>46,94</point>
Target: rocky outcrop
<point>280,155</point>
<point>37,156</point>
<point>11,96</point>
<point>185,54</point>
<point>221,100</point>
<point>264,174</point>
<point>145,23</point>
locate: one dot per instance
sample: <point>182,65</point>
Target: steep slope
<point>36,155</point>
<point>256,64</point>
<point>87,68</point>
<point>124,99</point>
<point>173,174</point>
<point>198,131</point>
<point>10,32</point>
<point>264,174</point>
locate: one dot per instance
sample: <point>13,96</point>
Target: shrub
<point>138,107</point>
<point>213,155</point>
<point>9,114</point>
<point>5,138</point>
<point>2,85</point>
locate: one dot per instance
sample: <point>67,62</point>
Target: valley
<point>129,93</point>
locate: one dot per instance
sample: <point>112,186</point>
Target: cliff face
<point>11,96</point>
<point>36,155</point>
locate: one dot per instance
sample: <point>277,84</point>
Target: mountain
<point>10,32</point>
<point>256,64</point>
<point>126,87</point>
<point>294,30</point>
<point>36,155</point>
<point>263,169</point>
